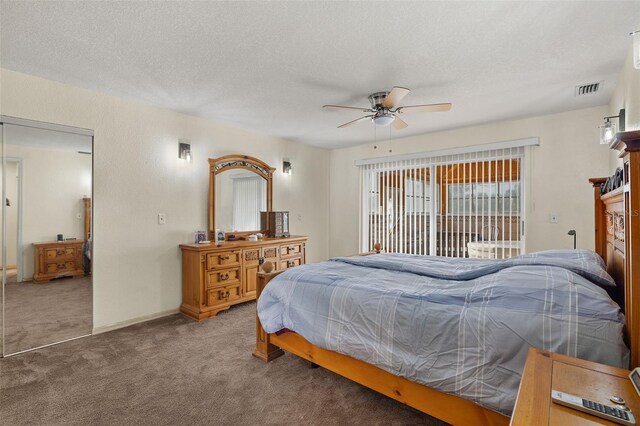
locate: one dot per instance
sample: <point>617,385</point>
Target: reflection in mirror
<point>2,256</point>
<point>240,197</point>
<point>47,213</point>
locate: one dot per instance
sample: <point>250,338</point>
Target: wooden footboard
<point>450,408</point>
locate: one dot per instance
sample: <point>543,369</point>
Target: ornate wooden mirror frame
<point>236,161</point>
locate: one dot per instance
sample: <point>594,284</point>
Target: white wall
<point>137,174</point>
<point>12,212</point>
<point>54,183</point>
<point>568,155</point>
<point>627,96</point>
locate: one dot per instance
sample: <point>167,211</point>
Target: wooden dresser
<point>58,259</point>
<point>217,276</point>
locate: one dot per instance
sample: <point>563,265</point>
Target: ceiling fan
<point>385,110</point>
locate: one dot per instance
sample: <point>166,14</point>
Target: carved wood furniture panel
<point>617,236</point>
<point>217,276</point>
<point>58,259</point>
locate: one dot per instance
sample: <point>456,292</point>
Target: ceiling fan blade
<point>399,123</point>
<point>363,109</point>
<point>366,117</point>
<point>394,97</point>
<point>425,108</point>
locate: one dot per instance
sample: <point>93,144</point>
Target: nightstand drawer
<point>53,254</point>
<point>60,267</point>
<point>221,295</point>
<point>223,277</point>
<point>225,259</point>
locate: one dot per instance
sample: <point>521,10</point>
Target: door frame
<point>19,253</point>
<point>19,258</point>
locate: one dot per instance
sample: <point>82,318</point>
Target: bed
<point>474,319</point>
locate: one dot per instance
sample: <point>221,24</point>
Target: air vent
<point>588,89</point>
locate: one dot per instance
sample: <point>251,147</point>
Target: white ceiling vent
<point>588,89</point>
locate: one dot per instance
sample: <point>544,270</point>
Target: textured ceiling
<point>270,66</point>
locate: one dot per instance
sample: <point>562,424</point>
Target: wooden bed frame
<point>617,240</point>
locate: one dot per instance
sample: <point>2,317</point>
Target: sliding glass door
<point>460,205</point>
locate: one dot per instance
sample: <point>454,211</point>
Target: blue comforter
<point>458,325</point>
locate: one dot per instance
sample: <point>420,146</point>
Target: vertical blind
<point>466,204</point>
<point>248,201</point>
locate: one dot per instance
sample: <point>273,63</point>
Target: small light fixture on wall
<point>184,149</point>
<point>287,168</point>
<point>636,49</point>
<point>608,129</point>
<point>572,232</point>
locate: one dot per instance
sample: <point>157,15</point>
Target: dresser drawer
<point>220,295</point>
<point>227,259</point>
<point>223,277</point>
<point>290,250</point>
<point>53,254</point>
<point>60,267</point>
<point>290,263</point>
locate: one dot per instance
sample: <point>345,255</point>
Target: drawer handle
<point>60,252</point>
<point>291,263</point>
<point>223,294</point>
<point>223,258</point>
<point>224,277</point>
<point>291,248</point>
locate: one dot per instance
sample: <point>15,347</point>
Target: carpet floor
<point>38,314</point>
<point>175,371</point>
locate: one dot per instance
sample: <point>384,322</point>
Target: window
<point>417,196</point>
<point>501,198</point>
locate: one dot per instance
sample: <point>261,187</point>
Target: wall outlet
<point>299,216</point>
<point>162,219</point>
<point>554,218</point>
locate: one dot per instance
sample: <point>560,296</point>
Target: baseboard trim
<point>133,321</point>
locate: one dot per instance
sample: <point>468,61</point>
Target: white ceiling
<point>270,66</point>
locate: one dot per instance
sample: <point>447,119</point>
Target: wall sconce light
<point>286,167</point>
<point>608,129</point>
<point>184,150</point>
<point>636,49</point>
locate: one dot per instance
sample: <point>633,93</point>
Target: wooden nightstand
<point>546,370</point>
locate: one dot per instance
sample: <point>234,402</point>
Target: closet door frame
<point>43,126</point>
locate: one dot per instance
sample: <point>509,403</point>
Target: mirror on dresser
<point>240,188</point>
<point>47,173</point>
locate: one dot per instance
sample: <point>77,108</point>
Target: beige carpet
<point>175,371</point>
<point>38,314</point>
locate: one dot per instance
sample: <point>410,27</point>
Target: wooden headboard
<point>617,235</point>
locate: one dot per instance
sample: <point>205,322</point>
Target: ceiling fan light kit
<point>383,119</point>
<point>384,108</point>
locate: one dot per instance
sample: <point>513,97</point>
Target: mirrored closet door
<point>47,173</point>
